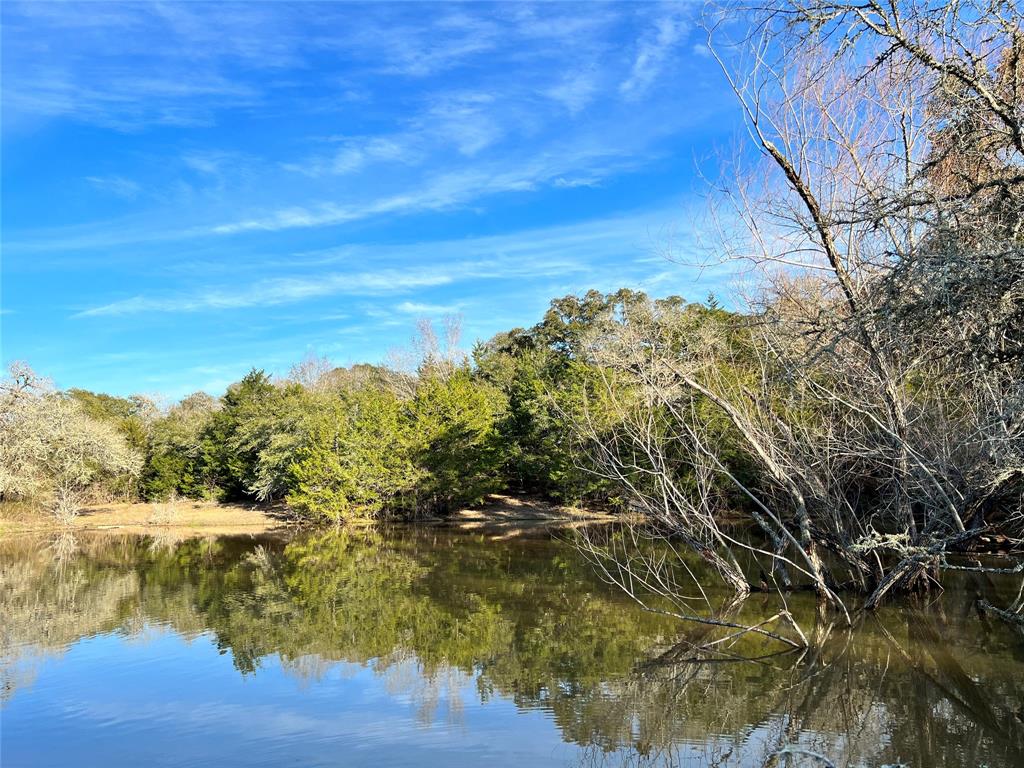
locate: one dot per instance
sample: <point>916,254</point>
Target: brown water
<point>425,647</point>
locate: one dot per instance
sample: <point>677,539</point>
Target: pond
<point>430,647</point>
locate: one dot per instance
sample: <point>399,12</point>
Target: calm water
<point>425,647</point>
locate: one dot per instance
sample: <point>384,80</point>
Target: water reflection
<point>421,645</point>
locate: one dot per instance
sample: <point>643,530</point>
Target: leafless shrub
<point>166,512</point>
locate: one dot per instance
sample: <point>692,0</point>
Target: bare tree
<point>892,126</point>
<point>428,353</point>
<point>50,450</point>
<point>313,372</point>
<point>878,383</point>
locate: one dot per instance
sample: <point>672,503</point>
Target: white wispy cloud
<point>466,120</point>
<point>422,308</point>
<point>579,181</point>
<point>115,185</point>
<point>653,52</point>
<point>586,159</point>
<point>211,162</point>
<point>419,50</point>
<point>446,190</point>
<point>576,91</point>
<point>356,153</point>
<point>130,65</point>
<point>129,102</point>
<point>454,147</point>
<point>584,165</point>
<point>274,291</point>
<point>611,251</point>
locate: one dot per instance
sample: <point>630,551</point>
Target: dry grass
<point>174,515</point>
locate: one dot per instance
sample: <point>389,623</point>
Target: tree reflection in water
<point>435,614</point>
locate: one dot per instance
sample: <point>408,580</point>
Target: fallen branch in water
<point>1014,619</point>
<point>1014,615</point>
<point>639,576</point>
<point>917,561</point>
<point>1018,568</point>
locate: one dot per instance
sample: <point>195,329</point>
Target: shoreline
<point>201,517</point>
<point>500,515</point>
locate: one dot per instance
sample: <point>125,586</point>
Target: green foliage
<point>356,461</point>
<point>369,452</point>
<point>241,429</point>
<point>455,439</point>
<point>369,441</point>
<point>542,389</point>
<point>548,376</point>
<point>181,455</point>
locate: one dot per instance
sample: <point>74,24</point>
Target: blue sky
<point>190,190</point>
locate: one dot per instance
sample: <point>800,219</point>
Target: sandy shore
<point>499,515</point>
<point>506,516</point>
<point>208,518</point>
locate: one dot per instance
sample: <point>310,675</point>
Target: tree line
<point>335,444</point>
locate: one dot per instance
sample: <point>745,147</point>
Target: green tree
<point>356,461</point>
<point>180,456</point>
<point>454,427</point>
